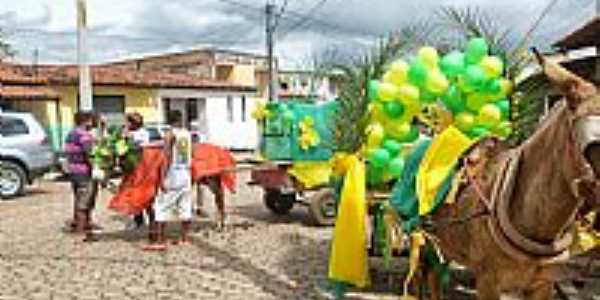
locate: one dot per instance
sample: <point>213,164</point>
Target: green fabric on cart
<point>404,195</point>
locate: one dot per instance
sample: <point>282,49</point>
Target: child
<point>78,145</point>
<point>174,199</point>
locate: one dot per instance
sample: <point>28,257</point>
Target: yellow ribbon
<point>348,261</point>
<point>440,158</point>
<point>309,137</point>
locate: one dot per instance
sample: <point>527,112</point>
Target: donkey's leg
<point>487,287</point>
<point>434,285</point>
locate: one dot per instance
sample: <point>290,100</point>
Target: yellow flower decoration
<point>308,135</point>
<point>261,112</point>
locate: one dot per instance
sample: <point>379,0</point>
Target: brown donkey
<point>532,195</point>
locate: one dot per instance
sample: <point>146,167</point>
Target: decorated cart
<point>296,146</point>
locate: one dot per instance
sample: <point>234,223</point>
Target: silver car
<point>25,152</point>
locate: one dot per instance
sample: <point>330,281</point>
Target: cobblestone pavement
<point>258,256</point>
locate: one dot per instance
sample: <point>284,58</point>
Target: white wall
<point>238,134</point>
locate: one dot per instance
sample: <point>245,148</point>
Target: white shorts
<point>174,205</point>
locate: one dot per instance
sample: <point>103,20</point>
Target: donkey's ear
<point>573,87</point>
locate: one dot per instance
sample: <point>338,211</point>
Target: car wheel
<point>279,203</point>
<point>322,208</point>
<point>12,180</point>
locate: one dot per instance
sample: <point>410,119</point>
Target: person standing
<point>134,130</point>
<point>174,200</point>
<point>78,147</point>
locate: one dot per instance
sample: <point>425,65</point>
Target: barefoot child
<point>78,145</point>
<point>174,199</point>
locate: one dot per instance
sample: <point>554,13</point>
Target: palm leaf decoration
<point>352,117</point>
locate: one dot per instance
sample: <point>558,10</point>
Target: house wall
<point>139,100</point>
<point>238,134</point>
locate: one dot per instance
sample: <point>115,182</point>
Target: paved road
<point>259,256</point>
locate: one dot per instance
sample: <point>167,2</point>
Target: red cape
<point>138,188</point>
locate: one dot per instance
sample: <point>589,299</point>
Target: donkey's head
<point>583,102</point>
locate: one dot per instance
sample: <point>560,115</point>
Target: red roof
<point>107,75</point>
<point>17,92</point>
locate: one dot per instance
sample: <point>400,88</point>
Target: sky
<point>131,28</point>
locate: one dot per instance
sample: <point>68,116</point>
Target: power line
<point>303,20</point>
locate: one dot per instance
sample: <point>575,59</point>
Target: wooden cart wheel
<point>279,203</point>
<point>322,207</point>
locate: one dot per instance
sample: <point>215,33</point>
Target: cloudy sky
<point>129,28</point>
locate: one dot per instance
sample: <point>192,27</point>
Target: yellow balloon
<point>429,56</point>
<point>475,101</point>
<point>489,116</point>
<point>492,66</point>
<point>398,72</point>
<point>506,87</point>
<point>378,113</point>
<point>437,82</point>
<point>376,133</point>
<point>409,93</point>
<point>387,91</point>
<point>412,109</point>
<point>464,121</point>
<point>398,130</point>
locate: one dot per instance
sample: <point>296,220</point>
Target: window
<point>111,107</point>
<point>192,110</point>
<point>12,127</point>
<point>230,109</point>
<point>243,108</point>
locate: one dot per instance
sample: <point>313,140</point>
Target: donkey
<point>532,195</point>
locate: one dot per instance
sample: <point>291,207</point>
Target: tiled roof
<point>27,92</point>
<point>106,75</point>
<point>585,36</point>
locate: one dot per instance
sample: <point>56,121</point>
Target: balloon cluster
<point>469,85</point>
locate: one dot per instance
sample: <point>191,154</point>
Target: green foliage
<point>114,150</point>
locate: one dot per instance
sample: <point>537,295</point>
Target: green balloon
<point>379,158</point>
<point>374,175</point>
<point>504,106</point>
<point>428,96</point>
<point>396,167</point>
<point>493,86</point>
<point>373,90</point>
<point>417,73</point>
<point>393,109</point>
<point>453,99</point>
<point>453,64</point>
<point>476,49</point>
<point>392,146</point>
<point>477,132</point>
<point>474,76</point>
<point>412,135</point>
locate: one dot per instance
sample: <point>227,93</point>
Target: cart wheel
<point>322,208</point>
<point>279,203</point>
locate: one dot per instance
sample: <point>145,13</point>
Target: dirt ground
<point>258,256</point>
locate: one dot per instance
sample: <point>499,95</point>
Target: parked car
<point>25,152</point>
<point>157,132</point>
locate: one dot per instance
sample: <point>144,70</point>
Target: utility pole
<point>85,81</point>
<point>270,11</point>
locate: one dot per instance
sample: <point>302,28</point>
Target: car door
<point>15,140</point>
